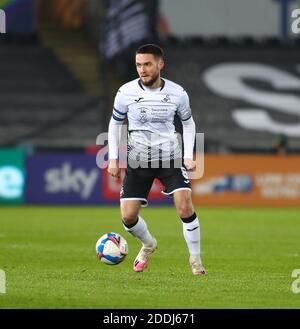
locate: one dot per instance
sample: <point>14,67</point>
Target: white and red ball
<point>111,248</point>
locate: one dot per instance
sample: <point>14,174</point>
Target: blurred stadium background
<point>62,61</point>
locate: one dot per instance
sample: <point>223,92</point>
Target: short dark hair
<point>151,48</point>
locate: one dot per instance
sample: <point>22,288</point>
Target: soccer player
<point>150,103</point>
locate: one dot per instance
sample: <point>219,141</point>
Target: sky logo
<point>2,21</point>
<point>66,179</point>
<point>11,182</point>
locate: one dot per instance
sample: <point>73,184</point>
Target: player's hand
<point>190,164</point>
<point>113,168</point>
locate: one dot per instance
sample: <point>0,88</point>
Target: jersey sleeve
<point>184,110</point>
<point>120,108</point>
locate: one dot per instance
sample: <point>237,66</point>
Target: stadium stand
<point>48,107</point>
<point>51,94</point>
<point>41,103</point>
<point>189,60</point>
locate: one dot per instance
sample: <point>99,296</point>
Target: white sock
<point>191,233</point>
<point>140,231</point>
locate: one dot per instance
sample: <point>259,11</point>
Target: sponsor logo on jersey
<point>143,114</point>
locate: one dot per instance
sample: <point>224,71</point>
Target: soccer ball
<point>111,248</point>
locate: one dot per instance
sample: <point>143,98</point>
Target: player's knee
<point>129,216</point>
<point>185,210</point>
<point>184,205</point>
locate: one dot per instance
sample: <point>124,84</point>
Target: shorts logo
<point>121,191</point>
<point>185,175</point>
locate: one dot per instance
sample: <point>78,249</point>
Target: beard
<point>151,82</point>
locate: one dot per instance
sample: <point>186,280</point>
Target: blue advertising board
<point>74,178</point>
<point>64,178</point>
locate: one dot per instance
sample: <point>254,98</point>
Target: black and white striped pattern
<point>126,23</point>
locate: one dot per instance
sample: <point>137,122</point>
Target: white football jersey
<point>150,114</point>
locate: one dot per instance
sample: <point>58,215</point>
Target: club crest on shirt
<point>166,99</point>
<point>143,115</point>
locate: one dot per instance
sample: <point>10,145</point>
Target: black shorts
<point>138,182</point>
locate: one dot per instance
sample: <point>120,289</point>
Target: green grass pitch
<point>49,258</point>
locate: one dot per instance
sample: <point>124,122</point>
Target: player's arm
<point>189,131</point>
<point>114,135</point>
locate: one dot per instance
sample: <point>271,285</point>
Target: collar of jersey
<point>160,89</point>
